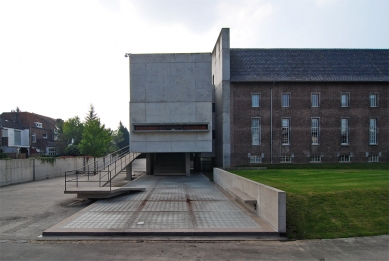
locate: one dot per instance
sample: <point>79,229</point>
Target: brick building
<point>268,105</point>
<point>26,134</point>
<point>309,105</point>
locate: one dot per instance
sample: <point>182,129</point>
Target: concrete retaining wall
<point>24,170</point>
<point>271,202</point>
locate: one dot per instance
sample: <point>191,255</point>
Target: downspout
<point>271,124</point>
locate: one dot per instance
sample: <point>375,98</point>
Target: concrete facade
<point>221,83</point>
<point>170,89</point>
<point>217,88</point>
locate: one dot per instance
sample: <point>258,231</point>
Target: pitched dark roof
<point>344,65</point>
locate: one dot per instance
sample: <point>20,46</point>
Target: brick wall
<point>300,113</point>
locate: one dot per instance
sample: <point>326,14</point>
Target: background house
<point>37,134</point>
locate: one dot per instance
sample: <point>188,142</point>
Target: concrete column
<point>129,171</point>
<point>148,164</point>
<point>197,163</point>
<point>187,164</point>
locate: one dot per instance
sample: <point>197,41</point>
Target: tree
<point>72,129</point>
<point>117,138</point>
<point>95,138</point>
<point>91,115</point>
<point>126,136</point>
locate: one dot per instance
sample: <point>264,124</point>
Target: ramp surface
<point>171,205</point>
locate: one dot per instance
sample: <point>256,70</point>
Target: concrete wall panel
<point>183,112</point>
<point>138,78</point>
<point>203,75</point>
<point>137,113</point>
<point>159,146</point>
<point>271,202</point>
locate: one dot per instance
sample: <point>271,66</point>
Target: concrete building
<point>244,107</point>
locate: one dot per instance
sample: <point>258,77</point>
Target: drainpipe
<point>271,124</point>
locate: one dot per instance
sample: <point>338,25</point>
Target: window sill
<point>315,144</point>
<point>345,144</point>
<point>286,144</point>
<point>376,144</point>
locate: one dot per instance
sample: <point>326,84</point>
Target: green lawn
<point>330,203</point>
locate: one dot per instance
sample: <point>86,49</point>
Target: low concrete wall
<point>271,202</point>
<point>24,170</point>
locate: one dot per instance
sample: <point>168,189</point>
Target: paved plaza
<point>171,205</point>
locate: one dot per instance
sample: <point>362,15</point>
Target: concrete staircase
<point>95,180</point>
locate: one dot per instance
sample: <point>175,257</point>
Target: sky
<point>58,57</point>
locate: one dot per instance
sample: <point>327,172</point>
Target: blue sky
<point>58,57</point>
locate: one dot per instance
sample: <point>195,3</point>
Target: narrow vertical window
<point>345,100</point>
<point>285,100</point>
<point>255,131</point>
<point>315,100</point>
<point>373,132</point>
<point>285,131</point>
<point>17,137</point>
<point>373,100</point>
<point>315,131</point>
<point>344,130</point>
<point>255,100</point>
<point>33,137</point>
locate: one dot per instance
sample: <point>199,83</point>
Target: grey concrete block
<point>188,146</point>
<point>159,146</point>
<point>203,57</point>
<point>183,58</point>
<point>203,75</point>
<point>137,112</point>
<point>183,112</point>
<point>138,146</point>
<point>204,112</point>
<point>204,95</point>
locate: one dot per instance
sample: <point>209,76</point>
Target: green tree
<point>126,136</point>
<point>72,129</point>
<point>117,138</point>
<point>95,138</point>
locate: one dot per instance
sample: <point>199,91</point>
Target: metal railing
<point>101,171</point>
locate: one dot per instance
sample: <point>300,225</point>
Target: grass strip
<point>328,203</point>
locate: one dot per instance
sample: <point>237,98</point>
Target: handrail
<point>110,168</point>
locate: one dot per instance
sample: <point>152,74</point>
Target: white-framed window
<point>374,158</point>
<point>345,100</point>
<point>255,100</point>
<point>38,124</point>
<point>255,159</point>
<point>285,100</point>
<point>52,152</point>
<point>373,131</point>
<point>373,99</point>
<point>344,158</point>
<point>315,100</point>
<point>33,137</point>
<point>315,158</point>
<point>285,159</point>
<point>17,137</point>
<point>44,136</point>
<point>255,131</point>
<point>344,131</point>
<point>285,131</point>
<point>315,131</point>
